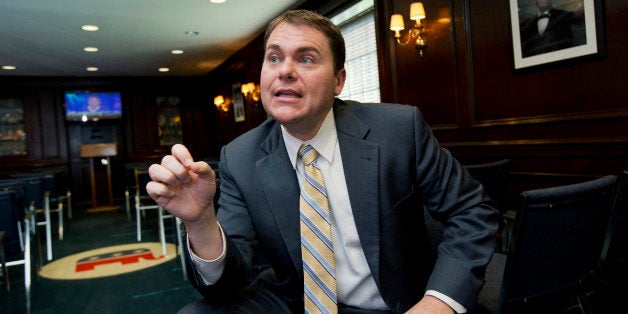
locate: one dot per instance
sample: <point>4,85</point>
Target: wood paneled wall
<point>54,142</point>
<point>558,124</point>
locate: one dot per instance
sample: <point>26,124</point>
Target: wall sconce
<point>221,104</point>
<point>251,89</point>
<point>417,13</point>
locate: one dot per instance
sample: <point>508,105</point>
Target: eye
<point>306,59</point>
<point>273,59</point>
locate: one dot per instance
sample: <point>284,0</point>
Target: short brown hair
<point>319,22</point>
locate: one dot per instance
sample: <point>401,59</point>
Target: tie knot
<point>308,154</point>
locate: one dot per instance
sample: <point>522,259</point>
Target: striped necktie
<point>316,240</point>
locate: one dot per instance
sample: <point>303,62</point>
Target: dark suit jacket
<point>393,167</point>
<point>564,30</point>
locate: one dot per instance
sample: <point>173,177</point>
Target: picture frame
<point>169,128</point>
<point>238,102</point>
<point>574,29</point>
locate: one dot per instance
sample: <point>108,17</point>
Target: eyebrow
<point>275,47</point>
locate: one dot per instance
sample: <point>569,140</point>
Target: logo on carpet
<point>108,261</point>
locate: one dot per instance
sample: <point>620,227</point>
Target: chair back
<point>8,221</point>
<point>141,179</point>
<point>33,189</point>
<point>19,190</point>
<point>614,258</point>
<point>55,181</point>
<point>558,238</point>
<point>494,178</point>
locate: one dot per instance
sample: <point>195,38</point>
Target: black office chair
<point>615,252</point>
<point>494,178</point>
<point>38,202</point>
<point>613,272</point>
<point>557,241</point>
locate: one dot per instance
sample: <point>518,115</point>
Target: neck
<point>545,8</point>
<point>306,131</point>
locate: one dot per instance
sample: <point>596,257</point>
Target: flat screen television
<point>92,106</point>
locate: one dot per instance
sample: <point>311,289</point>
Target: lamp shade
<point>417,11</point>
<point>396,22</point>
<point>251,87</point>
<point>219,100</point>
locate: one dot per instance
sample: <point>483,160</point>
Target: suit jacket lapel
<point>281,187</point>
<point>361,167</point>
<point>360,159</point>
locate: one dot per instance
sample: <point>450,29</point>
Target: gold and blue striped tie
<point>317,248</point>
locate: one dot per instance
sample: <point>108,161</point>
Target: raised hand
<point>186,188</point>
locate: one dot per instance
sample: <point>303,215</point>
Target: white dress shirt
<point>542,23</point>
<point>355,284</point>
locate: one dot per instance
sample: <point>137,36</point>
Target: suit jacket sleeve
<point>395,169</point>
<point>239,250</point>
<point>452,196</point>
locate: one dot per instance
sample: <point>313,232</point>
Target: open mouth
<point>284,93</point>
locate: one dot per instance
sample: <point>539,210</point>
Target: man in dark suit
<point>550,30</point>
<point>381,166</point>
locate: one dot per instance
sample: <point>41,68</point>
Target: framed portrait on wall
<point>238,102</point>
<point>169,128</point>
<point>549,31</point>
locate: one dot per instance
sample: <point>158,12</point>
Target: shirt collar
<point>324,141</point>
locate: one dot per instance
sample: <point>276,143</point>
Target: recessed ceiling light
<point>177,52</point>
<point>8,67</point>
<point>164,69</point>
<point>217,1</point>
<point>92,69</point>
<point>90,49</point>
<point>90,28</point>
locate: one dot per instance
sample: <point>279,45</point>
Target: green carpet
<point>158,289</point>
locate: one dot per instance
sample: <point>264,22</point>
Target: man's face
<point>543,4</point>
<point>298,84</point>
<point>93,103</point>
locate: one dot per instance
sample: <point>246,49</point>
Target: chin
<point>284,118</point>
<point>284,111</point>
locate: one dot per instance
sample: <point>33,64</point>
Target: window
<point>357,25</point>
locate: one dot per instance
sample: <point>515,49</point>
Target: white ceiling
<point>136,37</point>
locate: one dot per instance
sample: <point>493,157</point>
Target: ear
<point>340,81</point>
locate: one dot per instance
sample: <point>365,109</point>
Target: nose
<point>287,70</point>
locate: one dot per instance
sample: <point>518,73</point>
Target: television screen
<point>92,106</point>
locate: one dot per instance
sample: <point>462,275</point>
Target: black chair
<point>24,260</point>
<point>143,201</point>
<point>557,241</point>
<point>615,252</point>
<point>130,183</point>
<point>9,221</point>
<point>494,178</point>
<point>17,225</point>
<point>12,211</point>
<point>56,181</point>
<point>38,201</point>
<point>613,271</point>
